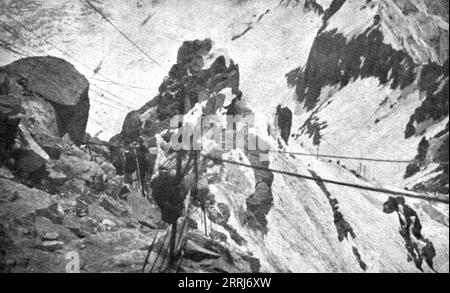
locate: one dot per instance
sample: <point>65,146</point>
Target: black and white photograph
<point>249,137</point>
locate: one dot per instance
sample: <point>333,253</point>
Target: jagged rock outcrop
<point>433,82</point>
<point>199,86</point>
<point>187,78</point>
<point>432,154</point>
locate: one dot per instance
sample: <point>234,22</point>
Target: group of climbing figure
<point>136,164</point>
<point>418,247</point>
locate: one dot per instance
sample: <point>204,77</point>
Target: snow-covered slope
<point>349,70</point>
<point>364,81</point>
<point>302,235</point>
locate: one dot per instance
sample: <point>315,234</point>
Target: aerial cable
<point>67,54</point>
<point>122,33</point>
<point>381,190</point>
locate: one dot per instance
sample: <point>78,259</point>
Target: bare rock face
<point>22,201</point>
<point>433,83</point>
<point>335,61</point>
<point>59,102</point>
<point>41,114</point>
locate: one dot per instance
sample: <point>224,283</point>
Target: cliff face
<point>399,50</point>
<point>372,45</point>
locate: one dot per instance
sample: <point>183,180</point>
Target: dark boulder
<point>53,80</point>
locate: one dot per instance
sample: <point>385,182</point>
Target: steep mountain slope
<point>373,84</point>
<point>287,223</point>
<point>302,234</point>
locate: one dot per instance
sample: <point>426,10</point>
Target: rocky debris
<point>56,177</point>
<point>81,207</point>
<point>78,229</point>
<point>53,151</point>
<point>99,213</point>
<point>45,229</point>
<point>28,155</point>
<point>54,146</point>
<point>53,212</point>
<point>131,261</point>
<point>27,200</point>
<point>114,207</point>
<point>50,236</point>
<point>76,167</point>
<point>5,173</point>
<point>125,239</point>
<point>207,255</point>
<point>109,171</point>
<point>142,209</point>
<point>197,253</point>
<point>114,187</point>
<point>108,224</point>
<point>53,83</point>
<point>77,201</point>
<point>51,245</point>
